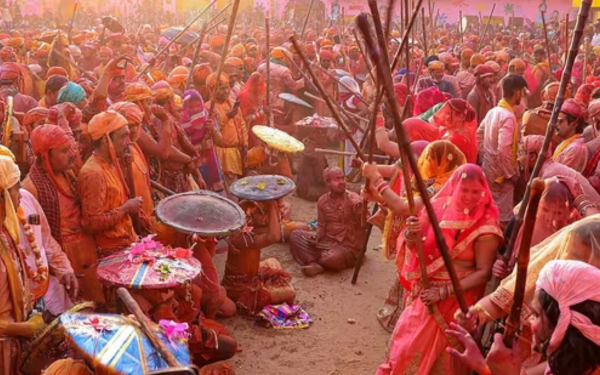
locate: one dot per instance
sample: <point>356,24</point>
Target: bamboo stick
<point>161,188</point>
<point>405,37</point>
<point>361,48</point>
<point>268,65</point>
<point>386,80</point>
<point>487,25</point>
<point>328,100</point>
<point>146,325</point>
<point>306,19</point>
<point>514,318</point>
<point>195,58</point>
<point>547,42</point>
<point>424,32</point>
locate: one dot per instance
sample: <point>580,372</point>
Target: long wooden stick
<point>361,48</point>
<point>195,58</point>
<point>404,42</point>
<point>586,48</point>
<point>179,35</point>
<point>327,98</point>
<point>236,4</point>
<point>566,33</point>
<point>399,129</point>
<point>487,25</point>
<point>385,76</point>
<point>547,42</point>
<point>146,325</point>
<point>560,98</point>
<point>514,318</point>
<point>208,28</point>
<point>424,32</point>
<point>306,19</point>
<point>327,151</point>
<point>268,64</point>
<point>161,188</point>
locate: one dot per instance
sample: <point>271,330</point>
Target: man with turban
<point>465,77</point>
<point>535,121</point>
<point>11,84</point>
<point>232,137</point>
<point>175,173</point>
<point>571,151</point>
<point>541,74</point>
<point>52,87</point>
<point>72,93</point>
<point>217,44</point>
<point>339,236</point>
<point>281,79</point>
<point>481,97</point>
<point>234,68</point>
<point>201,72</point>
<point>68,366</point>
<point>325,76</point>
<point>15,298</point>
<point>35,117</point>
<point>51,181</point>
<point>437,72</point>
<point>106,208</point>
<point>499,146</point>
<point>88,60</point>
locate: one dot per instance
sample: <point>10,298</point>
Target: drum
<point>201,212</point>
<point>117,344</point>
<point>278,139</point>
<point>150,268</point>
<point>48,346</point>
<point>262,187</point>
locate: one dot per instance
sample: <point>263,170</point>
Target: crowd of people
<point>99,126</point>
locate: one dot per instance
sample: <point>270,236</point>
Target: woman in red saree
<point>252,104</point>
<point>457,121</point>
<point>469,221</point>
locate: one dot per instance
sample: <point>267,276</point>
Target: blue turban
<point>71,93</point>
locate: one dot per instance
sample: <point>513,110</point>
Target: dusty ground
<point>331,346</point>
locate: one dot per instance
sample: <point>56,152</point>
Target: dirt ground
<point>332,345</point>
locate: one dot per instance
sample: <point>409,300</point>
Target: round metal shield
<point>262,187</point>
<point>278,139</point>
<point>294,99</point>
<point>318,122</point>
<point>46,347</point>
<point>201,212</point>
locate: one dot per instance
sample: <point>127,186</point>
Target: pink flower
<point>174,330</point>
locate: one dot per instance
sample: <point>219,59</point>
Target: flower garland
<point>41,274</point>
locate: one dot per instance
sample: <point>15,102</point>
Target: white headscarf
<point>9,177</point>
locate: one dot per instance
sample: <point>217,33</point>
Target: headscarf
<point>594,108</point>
<point>68,366</point>
<point>201,72</point>
<point>238,50</point>
<point>179,74</point>
<point>137,91</point>
<point>193,121</point>
<point>436,65</point>
<point>477,59</point>
<point>572,108</point>
<point>417,129</point>
<point>401,92</point>
<point>9,177</point>
<point>7,53</point>
<point>325,55</point>
<point>34,115</point>
<point>346,83</point>
<point>43,139</point>
<point>10,71</point>
<point>426,99</point>
<point>459,119</point>
<point>162,90</point>
<point>249,101</point>
<point>457,224</point>
<point>438,161</point>
<point>571,282</point>
<point>516,65</point>
<point>483,71</point>
<point>72,93</point>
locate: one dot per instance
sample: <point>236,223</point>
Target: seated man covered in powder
<point>340,235</point>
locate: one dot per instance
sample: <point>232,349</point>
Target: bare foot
<point>312,269</point>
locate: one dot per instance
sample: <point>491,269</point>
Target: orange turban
<point>234,61</point>
<point>477,59</point>
<point>466,54</point>
<point>7,53</point>
<point>132,113</point>
<point>326,43</point>
<point>46,137</point>
<point>10,71</point>
<point>436,65</point>
<point>68,367</point>
<point>278,53</point>
<point>179,74</point>
<point>217,41</point>
<point>105,123</point>
<point>201,72</point>
<point>137,91</point>
<point>57,70</point>
<point>34,115</point>
<point>238,51</point>
<point>162,90</point>
<point>158,75</point>
<point>211,80</point>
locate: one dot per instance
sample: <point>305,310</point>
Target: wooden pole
<point>487,25</point>
<point>460,27</point>
<point>186,28</point>
<point>547,42</point>
<point>147,328</point>
<point>195,59</point>
<point>328,100</point>
<point>514,318</point>
<point>407,60</point>
<point>566,34</point>
<point>209,28</point>
<point>404,42</point>
<point>163,189</point>
<point>424,32</point>
<point>399,132</point>
<point>586,44</point>
<point>236,4</point>
<point>385,77</point>
<point>306,19</point>
<point>268,64</point>
<point>361,48</point>
<point>560,98</point>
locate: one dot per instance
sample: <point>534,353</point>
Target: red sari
<point>457,121</point>
<point>252,105</point>
<point>419,341</point>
